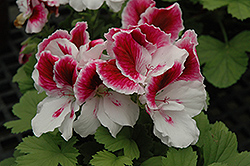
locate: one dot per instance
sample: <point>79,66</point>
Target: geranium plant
<point>122,89</point>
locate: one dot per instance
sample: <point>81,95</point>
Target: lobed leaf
<point>25,110</point>
<point>49,150</point>
<point>105,158</point>
<point>224,64</point>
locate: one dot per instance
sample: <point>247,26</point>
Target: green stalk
<point>223,32</point>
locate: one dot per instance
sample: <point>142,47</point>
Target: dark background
<point>230,105</point>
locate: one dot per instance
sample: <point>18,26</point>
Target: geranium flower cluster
<point>36,11</point>
<point>144,57</point>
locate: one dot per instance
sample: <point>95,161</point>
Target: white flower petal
<point>51,113</point>
<point>87,122</point>
<point>113,127</point>
<point>175,128</point>
<point>121,109</point>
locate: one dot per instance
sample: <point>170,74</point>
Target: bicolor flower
<point>57,77</point>
<point>138,12</point>
<point>101,106</point>
<point>140,53</point>
<point>59,61</point>
<point>80,5</point>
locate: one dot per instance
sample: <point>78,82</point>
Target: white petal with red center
<point>131,58</point>
<point>133,10</point>
<point>58,34</point>
<point>121,109</point>
<point>65,74</point>
<point>87,82</point>
<point>192,65</point>
<point>105,120</point>
<point>87,122</point>
<point>175,128</point>
<point>156,84</point>
<point>37,20</point>
<point>79,35</point>
<point>51,113</point>
<point>191,95</point>
<point>114,79</point>
<point>62,47</point>
<point>167,19</point>
<point>45,67</point>
<point>165,57</point>
<point>110,40</point>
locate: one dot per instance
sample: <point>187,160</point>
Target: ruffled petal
<point>175,128</point>
<point>133,10</point>
<point>51,113</point>
<point>38,19</point>
<point>58,34</point>
<point>165,57</point>
<point>191,94</point>
<point>192,65</point>
<point>87,122</point>
<point>121,109</point>
<point>167,19</point>
<point>45,67</point>
<point>112,126</point>
<point>87,82</point>
<point>65,74</point>
<point>156,84</point>
<point>110,41</point>
<point>62,47</point>
<point>131,58</point>
<point>79,35</point>
<point>113,78</point>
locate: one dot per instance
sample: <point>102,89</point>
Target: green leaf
<point>105,158</point>
<point>25,110</point>
<point>8,162</point>
<point>49,150</point>
<point>218,164</point>
<point>238,8</point>
<point>183,157</point>
<point>155,161</point>
<point>204,127</point>
<point>224,64</point>
<point>23,75</point>
<point>242,159</point>
<point>220,146</point>
<point>123,141</point>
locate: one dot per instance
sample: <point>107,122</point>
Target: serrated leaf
<point>47,150</point>
<point>242,159</point>
<point>218,164</point>
<point>25,110</point>
<point>238,8</point>
<point>23,75</point>
<point>155,161</point>
<point>8,162</point>
<point>220,146</point>
<point>224,64</point>
<point>183,157</point>
<point>204,127</point>
<point>105,158</point>
<point>122,141</point>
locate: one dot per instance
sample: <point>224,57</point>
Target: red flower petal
<point>113,78</point>
<point>133,10</point>
<point>79,35</point>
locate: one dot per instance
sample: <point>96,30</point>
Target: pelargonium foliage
<point>144,58</point>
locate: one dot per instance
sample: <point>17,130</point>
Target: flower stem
<point>223,32</point>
